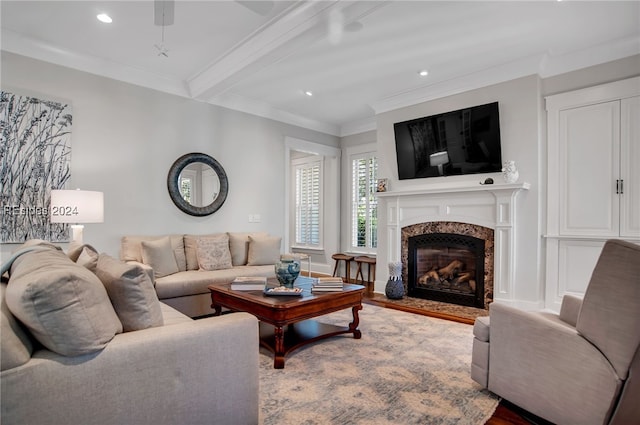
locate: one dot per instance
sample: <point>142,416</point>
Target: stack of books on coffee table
<point>327,284</point>
<point>249,283</point>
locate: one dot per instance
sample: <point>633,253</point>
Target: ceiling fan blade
<point>260,7</point>
<point>163,12</point>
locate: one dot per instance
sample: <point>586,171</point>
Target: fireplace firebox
<point>446,267</point>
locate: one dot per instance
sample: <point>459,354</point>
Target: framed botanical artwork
<point>36,143</point>
<point>382,185</point>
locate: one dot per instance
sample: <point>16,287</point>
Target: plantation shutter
<point>364,202</point>
<point>308,203</point>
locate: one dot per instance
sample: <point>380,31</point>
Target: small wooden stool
<point>347,264</point>
<point>371,276</point>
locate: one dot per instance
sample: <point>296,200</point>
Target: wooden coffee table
<point>277,312</point>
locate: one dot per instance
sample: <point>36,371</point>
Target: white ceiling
<point>358,58</point>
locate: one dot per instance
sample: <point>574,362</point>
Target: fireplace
<point>486,212</point>
<point>449,262</point>
<point>446,267</point>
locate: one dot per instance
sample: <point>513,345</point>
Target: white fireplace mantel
<point>492,206</point>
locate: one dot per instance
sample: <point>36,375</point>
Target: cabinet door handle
<point>619,187</point>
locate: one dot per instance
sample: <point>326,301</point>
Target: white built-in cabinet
<point>593,180</point>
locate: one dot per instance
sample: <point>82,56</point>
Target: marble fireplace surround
<point>491,206</point>
<point>467,229</point>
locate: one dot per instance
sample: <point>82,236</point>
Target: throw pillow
<point>213,252</point>
<point>191,249</point>
<point>264,250</point>
<point>131,292</point>
<point>64,306</point>
<point>131,248</point>
<point>239,246</point>
<point>159,255</point>
<point>84,255</point>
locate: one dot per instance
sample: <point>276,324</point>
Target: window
<point>186,188</point>
<point>308,202</point>
<point>364,204</point>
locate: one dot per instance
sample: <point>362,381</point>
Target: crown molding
<point>358,126</point>
<point>545,65</point>
<point>25,46</point>
<point>264,110</point>
<point>552,65</point>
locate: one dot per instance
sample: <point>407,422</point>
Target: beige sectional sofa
<point>88,342</point>
<point>184,265</point>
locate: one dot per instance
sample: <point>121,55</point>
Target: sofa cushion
<point>191,249</point>
<point>131,292</point>
<point>131,249</point>
<point>239,246</point>
<point>159,255</point>
<point>63,304</point>
<point>195,282</point>
<point>213,252</point>
<point>16,344</point>
<point>263,250</point>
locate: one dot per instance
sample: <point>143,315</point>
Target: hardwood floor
<point>506,413</point>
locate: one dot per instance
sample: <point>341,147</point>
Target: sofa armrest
<point>570,309</point>
<point>545,366</point>
<point>203,370</point>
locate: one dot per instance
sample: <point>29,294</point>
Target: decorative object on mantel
<point>383,185</point>
<point>488,180</point>
<point>510,172</point>
<point>287,270</point>
<point>395,287</point>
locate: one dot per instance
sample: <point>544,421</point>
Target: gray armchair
<point>581,366</point>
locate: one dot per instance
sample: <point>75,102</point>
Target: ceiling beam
<point>303,23</point>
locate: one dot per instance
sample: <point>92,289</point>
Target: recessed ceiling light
<point>423,73</point>
<point>103,17</point>
<point>308,92</point>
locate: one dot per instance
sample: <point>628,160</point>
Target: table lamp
<point>76,207</point>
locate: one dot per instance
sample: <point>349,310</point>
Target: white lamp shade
<point>76,206</point>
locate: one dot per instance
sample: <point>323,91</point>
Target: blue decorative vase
<point>287,271</point>
<point>394,289</point>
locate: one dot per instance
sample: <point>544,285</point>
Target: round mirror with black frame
<point>197,184</point>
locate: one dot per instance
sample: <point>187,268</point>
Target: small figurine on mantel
<point>510,172</point>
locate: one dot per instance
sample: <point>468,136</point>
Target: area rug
<point>406,369</point>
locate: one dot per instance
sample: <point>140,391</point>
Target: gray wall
<point>126,137</point>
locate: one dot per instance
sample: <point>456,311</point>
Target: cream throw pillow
<point>263,250</point>
<point>213,252</point>
<point>239,246</point>
<point>159,255</point>
<point>131,292</point>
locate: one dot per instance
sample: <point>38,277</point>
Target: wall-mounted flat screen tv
<point>460,142</point>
